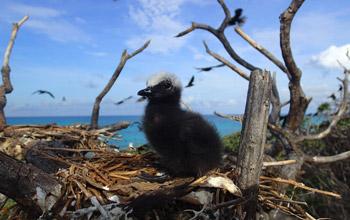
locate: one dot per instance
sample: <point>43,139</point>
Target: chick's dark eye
<point>167,85</point>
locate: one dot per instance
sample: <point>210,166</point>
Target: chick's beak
<point>145,92</point>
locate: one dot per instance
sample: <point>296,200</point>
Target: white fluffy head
<point>159,77</point>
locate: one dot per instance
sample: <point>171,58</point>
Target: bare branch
<point>328,159</point>
<point>226,62</point>
<point>279,163</point>
<point>275,102</point>
<point>195,26</point>
<point>139,50</point>
<point>227,18</point>
<point>300,185</point>
<point>6,87</point>
<point>285,103</point>
<point>238,118</point>
<point>298,101</point>
<point>341,111</point>
<point>219,34</point>
<point>286,19</point>
<point>233,53</point>
<point>262,50</point>
<point>5,65</point>
<point>124,58</point>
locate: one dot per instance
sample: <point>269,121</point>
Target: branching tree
<point>124,58</point>
<point>289,134</point>
<point>6,87</point>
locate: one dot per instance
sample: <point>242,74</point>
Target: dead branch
<point>6,87</point>
<point>124,58</point>
<point>220,35</point>
<point>253,137</point>
<point>275,102</point>
<point>298,101</point>
<point>262,50</point>
<point>238,118</point>
<point>278,163</point>
<point>300,185</point>
<point>226,62</point>
<point>29,186</point>
<point>341,111</point>
<point>328,159</point>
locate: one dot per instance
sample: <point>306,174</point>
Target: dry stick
<point>279,163</point>
<point>6,87</point>
<point>238,118</point>
<point>299,102</point>
<point>226,62</point>
<point>262,50</point>
<point>124,58</point>
<point>253,137</point>
<point>342,109</point>
<point>328,159</point>
<point>301,185</point>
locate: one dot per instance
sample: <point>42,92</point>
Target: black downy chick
<point>188,145</point>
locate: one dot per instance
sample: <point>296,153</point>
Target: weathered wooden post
<point>253,137</point>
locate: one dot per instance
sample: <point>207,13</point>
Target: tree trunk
<point>253,137</point>
<point>28,186</point>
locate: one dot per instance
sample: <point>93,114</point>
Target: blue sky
<point>72,48</point>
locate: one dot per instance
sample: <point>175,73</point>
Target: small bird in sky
<point>190,83</point>
<point>41,92</point>
<point>332,96</point>
<point>237,18</point>
<point>206,69</point>
<point>340,88</point>
<point>122,101</point>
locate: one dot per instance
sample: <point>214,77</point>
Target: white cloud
<point>158,19</point>
<point>329,58</point>
<point>48,21</point>
<point>59,30</point>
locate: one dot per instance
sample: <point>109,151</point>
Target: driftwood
<point>6,87</point>
<point>253,137</point>
<point>29,186</point>
<point>124,58</point>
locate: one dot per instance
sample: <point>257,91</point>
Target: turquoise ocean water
<point>129,135</point>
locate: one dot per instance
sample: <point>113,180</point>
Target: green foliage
<point>324,107</point>
<point>344,123</point>
<point>5,209</point>
<point>231,142</point>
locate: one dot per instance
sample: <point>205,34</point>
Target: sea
<point>129,136</point>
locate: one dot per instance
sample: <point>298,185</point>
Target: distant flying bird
<point>237,18</point>
<point>190,83</point>
<point>63,99</point>
<point>340,88</point>
<point>122,101</point>
<point>40,92</point>
<point>332,97</point>
<point>206,69</point>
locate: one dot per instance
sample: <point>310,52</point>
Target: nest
<point>103,182</point>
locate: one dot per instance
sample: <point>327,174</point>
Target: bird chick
<point>187,144</point>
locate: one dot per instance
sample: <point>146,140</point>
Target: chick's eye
<point>167,85</point>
